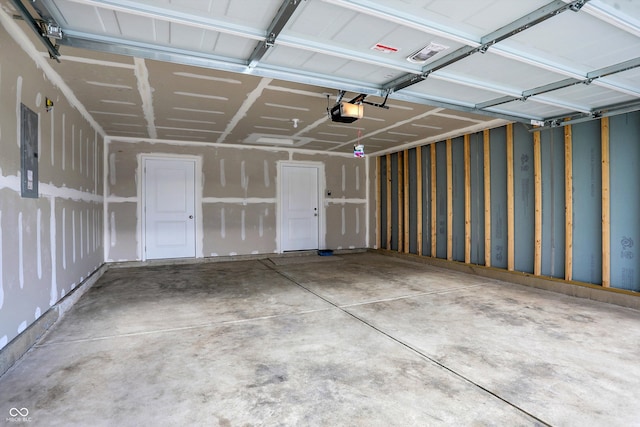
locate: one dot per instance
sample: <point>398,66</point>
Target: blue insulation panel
<point>498,148</point>
<point>383,202</point>
<point>523,199</point>
<point>587,202</point>
<point>441,196</point>
<point>624,146</point>
<point>553,208</point>
<point>426,200</point>
<point>476,152</point>
<point>413,207</point>
<point>394,201</point>
<point>457,162</point>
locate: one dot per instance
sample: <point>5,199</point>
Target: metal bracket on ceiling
<point>360,99</point>
<point>577,5</point>
<point>40,27</point>
<point>384,103</point>
<point>285,12</point>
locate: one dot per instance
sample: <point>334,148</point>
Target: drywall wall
<point>50,244</point>
<point>238,198</point>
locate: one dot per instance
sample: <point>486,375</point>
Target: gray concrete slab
<point>363,278</point>
<point>254,343</point>
<point>134,300</point>
<point>572,361</point>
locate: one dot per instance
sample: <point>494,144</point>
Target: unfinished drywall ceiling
<point>264,72</point>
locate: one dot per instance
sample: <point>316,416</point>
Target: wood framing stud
<point>378,201</point>
<point>449,201</point>
<point>510,201</point>
<point>434,202</point>
<point>389,198</point>
<point>467,199</point>
<point>406,201</point>
<point>419,198</point>
<point>400,202</point>
<point>606,206</point>
<point>537,178</point>
<point>568,203</point>
<point>487,197</point>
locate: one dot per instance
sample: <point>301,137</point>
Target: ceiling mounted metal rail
<point>608,111</point>
<point>37,28</point>
<point>590,77</point>
<point>282,17</point>
<point>542,14</point>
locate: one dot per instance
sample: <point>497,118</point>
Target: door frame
<point>321,201</point>
<point>141,188</point>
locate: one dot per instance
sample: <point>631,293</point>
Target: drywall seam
<point>20,251</point>
<point>239,200</point>
<point>12,182</point>
<point>223,179</point>
<point>290,151</point>
<point>64,239</point>
<point>64,144</point>
<point>144,88</point>
<point>21,38</point>
<point>39,243</point>
<point>53,148</point>
<point>244,108</point>
<point>343,200</point>
<point>91,61</point>
<point>52,235</point>
<point>117,199</point>
<point>18,113</point>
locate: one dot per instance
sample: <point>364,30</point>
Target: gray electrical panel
<point>29,152</point>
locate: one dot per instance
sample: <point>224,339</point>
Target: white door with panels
<point>169,208</point>
<point>300,217</point>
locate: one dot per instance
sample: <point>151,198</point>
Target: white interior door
<point>169,209</point>
<point>300,208</point>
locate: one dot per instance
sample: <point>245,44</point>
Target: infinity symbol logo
<point>14,412</point>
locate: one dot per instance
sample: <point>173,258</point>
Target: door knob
<point>190,216</point>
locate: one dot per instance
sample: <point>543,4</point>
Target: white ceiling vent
<point>276,140</point>
<point>430,50</point>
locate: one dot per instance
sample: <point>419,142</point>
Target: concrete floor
<point>360,339</point>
